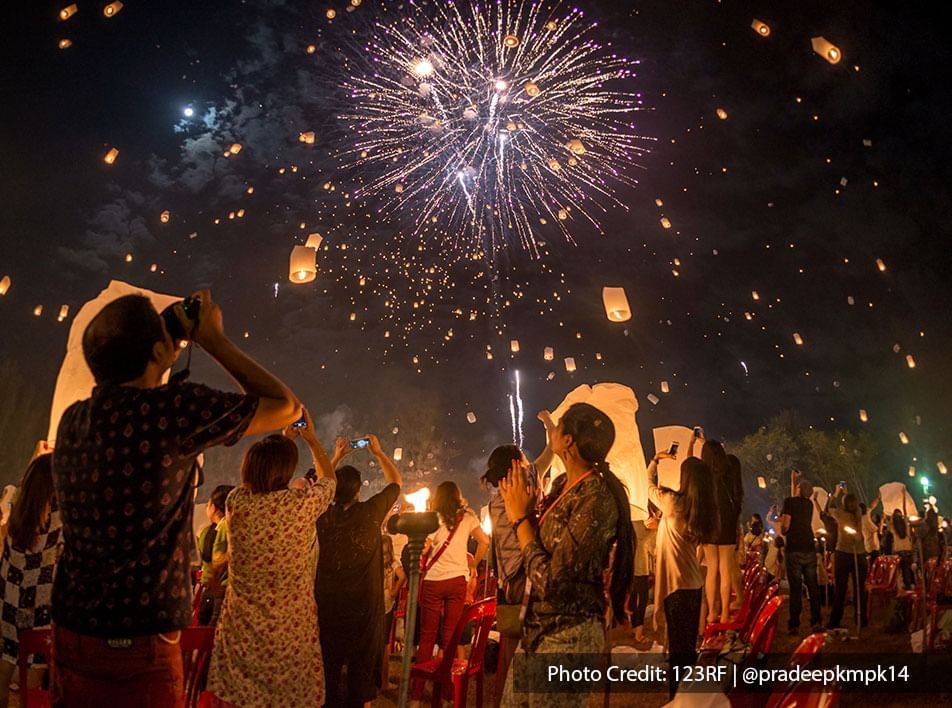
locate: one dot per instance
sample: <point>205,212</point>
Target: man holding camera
<point>123,471</point>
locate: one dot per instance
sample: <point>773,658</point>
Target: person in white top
<point>446,571</point>
<point>686,517</point>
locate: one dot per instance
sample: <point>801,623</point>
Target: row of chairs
<point>882,582</point>
<point>196,643</point>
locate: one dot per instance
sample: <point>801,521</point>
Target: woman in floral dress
<point>267,645</point>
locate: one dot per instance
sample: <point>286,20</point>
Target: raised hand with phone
<point>304,428</point>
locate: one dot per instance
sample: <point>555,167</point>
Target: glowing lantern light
<point>563,215</point>
<point>550,25</point>
<point>235,148</point>
<point>511,41</point>
<point>598,356</point>
<point>514,346</point>
<point>63,313</point>
<point>65,43</point>
<point>912,470</point>
<point>38,310</point>
<point>154,267</point>
<point>471,417</point>
<point>910,361</point>
<point>112,8</point>
<point>398,189</point>
<point>314,241</point>
<point>128,258</point>
<point>755,295</point>
<point>548,353</point>
<point>654,400</point>
<point>398,454</point>
<point>68,12</point>
<point>110,157</point>
<point>659,202</point>
<point>554,165</point>
<point>761,482</point>
<point>941,467</point>
<point>881,265</point>
<point>5,285</point>
<point>850,300</point>
<point>616,304</point>
<point>311,48</point>
<point>307,137</point>
<point>331,13</point>
<point>303,265</point>
<point>532,89</point>
<point>863,415</point>
<point>165,216</point>
<point>665,222</point>
<point>353,318</point>
<point>355,3</point>
<point>575,147</point>
<point>570,364</point>
<point>721,113</point>
<point>665,388</point>
<point>761,28</point>
<point>903,438</point>
<point>797,339</point>
<point>826,49</point>
<point>418,499</point>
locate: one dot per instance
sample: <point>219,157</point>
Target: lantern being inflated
<point>616,304</point>
<point>303,266</point>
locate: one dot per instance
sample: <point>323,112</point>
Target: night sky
<point>817,171</point>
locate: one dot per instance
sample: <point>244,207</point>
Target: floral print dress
<point>267,645</point>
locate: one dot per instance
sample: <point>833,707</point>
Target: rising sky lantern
<point>4,284</point>
<point>761,28</point>
<point>303,265</point>
<point>110,156</point>
<point>112,8</point>
<point>68,11</point>
<point>570,364</point>
<point>548,354</point>
<point>826,49</point>
<point>616,304</point>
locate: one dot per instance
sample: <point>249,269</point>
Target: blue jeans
<point>801,569</point>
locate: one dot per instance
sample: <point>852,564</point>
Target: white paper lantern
<point>903,438</point>
<point>761,28</point>
<point>616,304</point>
<point>570,364</point>
<point>910,361</point>
<point>863,415</point>
<point>761,482</point>
<point>881,264</point>
<point>5,284</point>
<point>665,388</point>
<point>398,454</point>
<point>548,353</point>
<point>110,157</point>
<point>303,266</point>
<point>63,313</point>
<point>826,49</point>
<point>653,399</point>
<point>471,417</point>
<point>941,467</point>
<point>797,339</point>
<point>112,8</point>
<point>314,241</point>
<point>68,11</point>
<point>307,137</point>
<point>514,346</point>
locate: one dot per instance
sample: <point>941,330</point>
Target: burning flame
<point>418,499</point>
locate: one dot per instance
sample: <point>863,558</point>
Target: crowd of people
<point>300,579</point>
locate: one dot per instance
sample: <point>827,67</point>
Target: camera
<point>360,443</point>
<point>300,422</point>
<point>174,326</point>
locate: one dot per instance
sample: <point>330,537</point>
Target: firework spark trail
<point>492,125</point>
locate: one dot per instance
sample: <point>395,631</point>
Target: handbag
<point>426,562</point>
<point>509,614</point>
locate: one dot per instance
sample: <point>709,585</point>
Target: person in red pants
<point>446,570</point>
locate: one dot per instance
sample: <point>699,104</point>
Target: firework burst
<point>490,125</point>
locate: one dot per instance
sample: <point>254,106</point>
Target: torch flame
<point>418,499</point>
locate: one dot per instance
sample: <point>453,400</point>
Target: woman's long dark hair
<point>35,496</point>
<point>447,503</point>
<point>697,490</point>
<point>736,479</point>
<point>898,523</point>
<point>594,434</point>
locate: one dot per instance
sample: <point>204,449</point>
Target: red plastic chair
<point>940,585</point>
<point>762,633</point>
<point>196,646</point>
<point>805,696</point>
<point>197,596</point>
<point>716,634</point>
<point>881,581</point>
<point>448,671</point>
<point>30,642</point>
<point>919,604</point>
<point>752,595</point>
